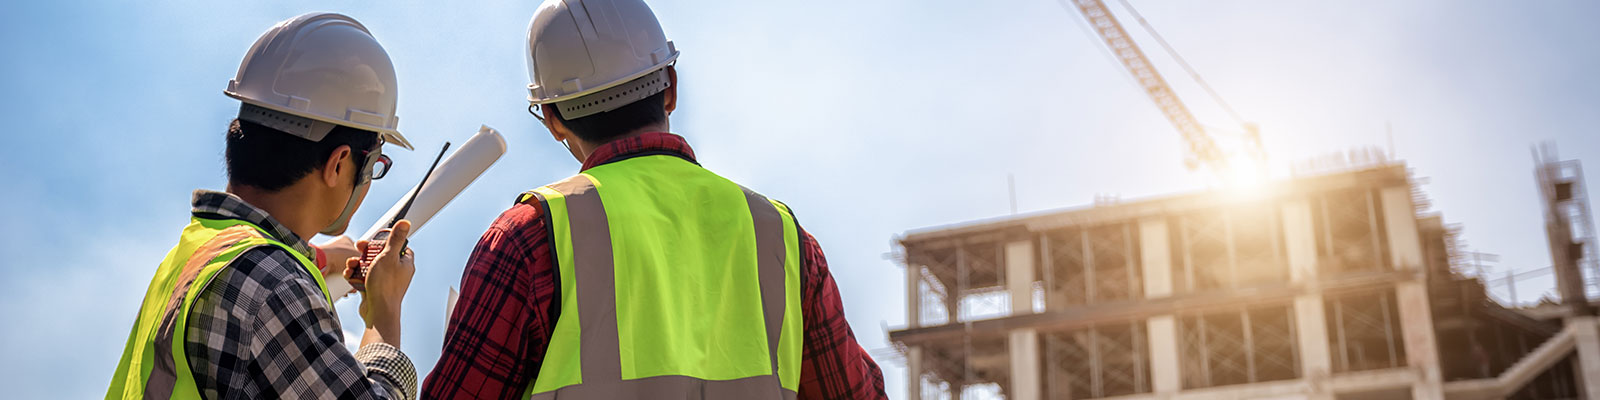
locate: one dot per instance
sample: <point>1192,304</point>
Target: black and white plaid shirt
<point>262,328</point>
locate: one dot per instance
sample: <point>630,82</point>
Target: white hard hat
<point>314,71</point>
<point>592,56</point>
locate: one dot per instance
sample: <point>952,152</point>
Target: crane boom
<point>1201,148</point>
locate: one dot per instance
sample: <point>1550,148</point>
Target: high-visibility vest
<point>153,363</point>
<point>675,283</point>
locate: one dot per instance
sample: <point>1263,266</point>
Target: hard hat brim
<point>607,85</point>
<point>392,136</point>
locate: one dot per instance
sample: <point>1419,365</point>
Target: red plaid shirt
<point>496,339</point>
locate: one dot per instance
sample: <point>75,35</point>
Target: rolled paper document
<point>453,175</point>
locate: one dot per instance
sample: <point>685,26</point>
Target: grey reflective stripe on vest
<point>595,281</point>
<point>770,256</point>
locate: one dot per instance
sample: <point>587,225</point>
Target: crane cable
<point>1094,38</point>
<point>1185,64</point>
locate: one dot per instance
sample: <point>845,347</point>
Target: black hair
<point>270,159</point>
<point>607,126</point>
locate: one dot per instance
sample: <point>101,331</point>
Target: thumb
<point>398,238</point>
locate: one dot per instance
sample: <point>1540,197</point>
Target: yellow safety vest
<point>153,363</point>
<point>675,283</point>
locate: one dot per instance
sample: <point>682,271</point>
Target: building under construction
<point>1333,286</point>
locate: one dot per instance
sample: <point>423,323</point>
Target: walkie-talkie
<point>380,239</point>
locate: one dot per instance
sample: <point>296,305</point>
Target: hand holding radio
<point>389,266</point>
<point>382,238</point>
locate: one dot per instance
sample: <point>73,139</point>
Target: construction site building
<point>1336,286</point>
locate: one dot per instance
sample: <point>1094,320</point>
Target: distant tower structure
<point>1569,227</point>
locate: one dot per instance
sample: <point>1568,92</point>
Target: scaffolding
<point>1334,286</point>
<point>1570,228</point>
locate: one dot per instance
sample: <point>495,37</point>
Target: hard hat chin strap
<point>564,142</point>
<point>338,226</point>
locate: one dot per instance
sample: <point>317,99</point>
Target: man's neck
<point>287,206</point>
<point>588,149</point>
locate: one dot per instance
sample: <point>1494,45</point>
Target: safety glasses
<point>378,164</point>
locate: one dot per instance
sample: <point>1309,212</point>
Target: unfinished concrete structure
<point>1336,286</point>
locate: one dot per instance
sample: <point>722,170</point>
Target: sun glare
<point>1244,177</point>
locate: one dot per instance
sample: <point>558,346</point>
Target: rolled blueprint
<point>452,176</point>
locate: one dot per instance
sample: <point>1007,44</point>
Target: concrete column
<point>1588,368</point>
<point>913,295</point>
<point>1019,276</point>
<point>1300,240</point>
<point>954,290</point>
<point>1416,312</point>
<point>1422,351</point>
<point>914,373</point>
<point>1157,258</point>
<point>1161,331</point>
<point>1311,330</point>
<point>1025,381</point>
<point>1311,323</point>
<point>1166,377</point>
<point>1400,221</point>
<point>1024,343</point>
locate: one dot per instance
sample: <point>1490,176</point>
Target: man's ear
<point>557,131</point>
<point>334,165</point>
<point>670,100</point>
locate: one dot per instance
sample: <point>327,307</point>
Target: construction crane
<point>1202,149</point>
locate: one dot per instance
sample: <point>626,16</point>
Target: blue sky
<point>869,118</point>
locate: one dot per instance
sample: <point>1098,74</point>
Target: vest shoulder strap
<point>168,367</point>
<point>533,197</point>
<point>529,197</point>
<point>783,207</point>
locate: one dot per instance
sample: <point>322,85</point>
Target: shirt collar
<point>653,143</point>
<point>228,206</point>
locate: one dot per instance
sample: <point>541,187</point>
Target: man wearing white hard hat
<point>240,308</point>
<point>645,276</point>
